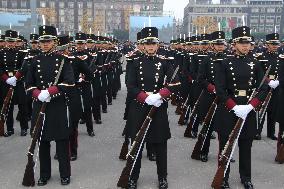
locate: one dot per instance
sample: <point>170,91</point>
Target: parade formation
<point>228,90</point>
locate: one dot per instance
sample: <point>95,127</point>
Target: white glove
<point>273,84</point>
<point>44,96</point>
<point>158,103</point>
<point>12,81</point>
<point>153,98</point>
<point>242,110</point>
<point>80,80</point>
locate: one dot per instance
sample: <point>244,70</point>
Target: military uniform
<point>145,77</point>
<point>42,73</point>
<point>273,59</point>
<point>206,79</point>
<point>11,61</point>
<point>236,79</point>
<point>280,117</point>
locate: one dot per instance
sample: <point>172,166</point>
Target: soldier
<point>11,61</point>
<point>146,84</point>
<point>236,79</point>
<point>267,58</point>
<point>2,42</point>
<point>42,73</point>
<point>280,117</point>
<point>79,67</point>
<point>86,87</point>
<point>206,79</point>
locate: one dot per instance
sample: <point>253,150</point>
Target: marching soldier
<point>236,79</point>
<point>86,87</point>
<point>146,84</point>
<point>41,76</point>
<point>11,61</point>
<point>79,67</point>
<point>271,57</point>
<point>206,79</point>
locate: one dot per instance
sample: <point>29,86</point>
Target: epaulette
<point>25,51</point>
<point>202,55</point>
<point>281,56</point>
<point>93,54</point>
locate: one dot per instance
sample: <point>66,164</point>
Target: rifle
<point>230,146</point>
<point>265,105</point>
<point>183,110</point>
<point>137,145</point>
<point>193,117</point>
<point>5,109</point>
<point>204,131</point>
<point>29,179</point>
<point>280,150</point>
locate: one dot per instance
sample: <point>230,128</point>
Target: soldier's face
<point>2,44</point>
<point>34,45</point>
<point>80,46</point>
<point>11,44</point>
<point>151,48</point>
<point>272,47</point>
<point>243,48</point>
<point>90,45</point>
<point>219,48</point>
<point>46,45</point>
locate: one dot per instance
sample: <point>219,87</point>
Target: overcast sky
<point>175,6</point>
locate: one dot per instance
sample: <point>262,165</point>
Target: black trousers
<point>206,145</point>
<point>244,157</point>
<point>87,117</point>
<point>161,160</point>
<point>109,94</point>
<point>99,101</point>
<point>73,138</point>
<point>62,151</point>
<point>23,117</point>
<point>270,124</point>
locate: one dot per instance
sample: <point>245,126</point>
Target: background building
<point>71,15</point>
<point>263,16</point>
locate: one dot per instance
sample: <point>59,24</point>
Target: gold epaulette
<point>84,57</point>
<point>281,56</point>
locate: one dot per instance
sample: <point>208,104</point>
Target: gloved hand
<point>12,81</point>
<point>273,84</point>
<point>44,96</point>
<point>153,98</point>
<point>158,103</point>
<point>80,80</point>
<point>242,110</point>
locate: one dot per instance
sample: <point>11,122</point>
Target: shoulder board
<point>281,56</point>
<point>25,51</point>
<point>202,55</point>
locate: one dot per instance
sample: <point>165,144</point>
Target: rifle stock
<point>28,179</point>
<point>134,150</point>
<point>280,150</point>
<point>225,157</point>
<point>5,109</point>
<point>193,117</point>
<point>204,131</point>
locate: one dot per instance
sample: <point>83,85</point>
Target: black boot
<point>8,133</point>
<point>91,133</point>
<point>163,183</point>
<point>132,184</point>
<point>204,157</point>
<point>98,121</point>
<point>73,157</point>
<point>257,137</point>
<point>225,185</point>
<point>42,181</point>
<point>24,132</point>
<point>247,185</point>
<point>65,181</point>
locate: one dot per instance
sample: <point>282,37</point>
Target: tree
<point>207,22</point>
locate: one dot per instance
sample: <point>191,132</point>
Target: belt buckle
<point>10,74</point>
<point>272,77</point>
<point>242,93</point>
